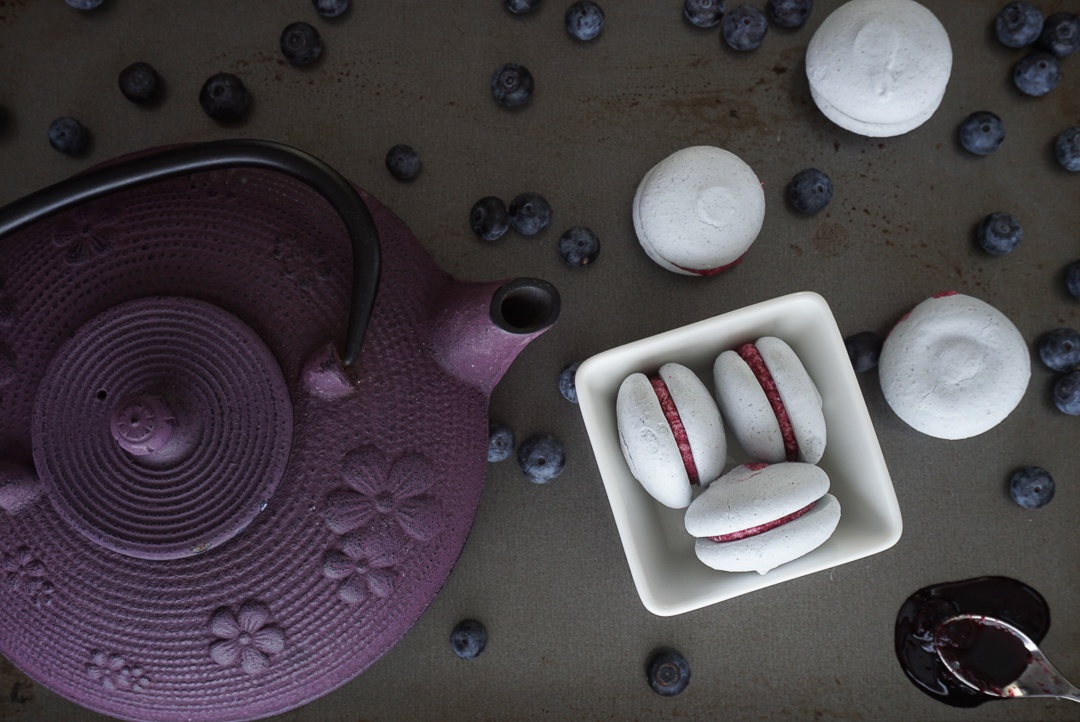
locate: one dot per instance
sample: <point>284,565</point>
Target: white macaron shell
<point>954,368</point>
<point>770,549</point>
<point>700,419</point>
<point>746,408</point>
<point>698,209</point>
<point>649,445</point>
<point>885,63</point>
<point>747,497</point>
<point>800,395</point>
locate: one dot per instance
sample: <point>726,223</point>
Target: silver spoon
<point>996,658</point>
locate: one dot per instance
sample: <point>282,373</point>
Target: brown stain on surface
<point>830,240</point>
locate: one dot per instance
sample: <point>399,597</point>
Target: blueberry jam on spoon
<point>920,622</point>
<point>981,653</point>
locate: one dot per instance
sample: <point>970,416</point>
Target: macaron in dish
<point>698,211</point>
<point>671,433</point>
<point>771,404</point>
<point>879,67</point>
<point>954,367</point>
<point>759,516</point>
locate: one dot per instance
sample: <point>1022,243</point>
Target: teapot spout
<point>478,329</point>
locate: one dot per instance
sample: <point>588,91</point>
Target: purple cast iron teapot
<point>208,511</point>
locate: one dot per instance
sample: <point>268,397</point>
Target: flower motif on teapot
<point>379,491</point>
<point>304,267</point>
<point>113,672</point>
<point>24,572</point>
<point>84,233</point>
<point>246,638</point>
<point>364,566</point>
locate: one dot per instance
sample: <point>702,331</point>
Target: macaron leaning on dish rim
<point>671,433</point>
<point>954,367</point>
<point>771,404</point>
<point>759,516</point>
<point>879,67</point>
<point>698,211</point>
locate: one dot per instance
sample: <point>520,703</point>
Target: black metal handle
<point>214,155</point>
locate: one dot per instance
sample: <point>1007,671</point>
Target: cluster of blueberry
<point>1021,25</point>
<point>1059,350</point>
<point>541,457</point>
<point>223,96</point>
<point>529,214</point>
<point>584,19</point>
<point>744,28</point>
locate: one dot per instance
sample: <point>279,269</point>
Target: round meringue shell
<point>879,65</point>
<point>954,367</point>
<point>748,496</point>
<point>699,209</point>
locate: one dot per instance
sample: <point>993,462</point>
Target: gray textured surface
<point>544,568</point>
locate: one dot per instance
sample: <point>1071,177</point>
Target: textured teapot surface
<point>205,519</point>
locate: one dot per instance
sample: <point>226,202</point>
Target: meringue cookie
<point>879,67</point>
<point>671,433</point>
<point>954,367</point>
<point>698,211</point>
<point>770,402</point>
<point>759,516</point>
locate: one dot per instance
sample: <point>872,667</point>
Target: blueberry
<point>1031,487</point>
<point>668,673</point>
<point>1018,24</point>
<point>529,213</point>
<point>579,246</point>
<point>1037,74</point>
<point>703,13</point>
<point>864,350</point>
<point>500,441</point>
<point>999,233</point>
<point>1072,279</point>
<point>330,8</point>
<point>468,639</point>
<point>1067,148</point>
<point>520,7</point>
<point>809,191</point>
<point>512,85</point>
<point>584,20</point>
<point>300,43</point>
<point>224,97</point>
<point>1060,34</point>
<point>541,458</point>
<point>1067,393</point>
<point>567,387</point>
<point>403,162</point>
<point>981,133</point>
<point>68,136</point>
<point>139,82</point>
<point>744,28</point>
<point>489,219</point>
<point>1060,349</point>
<point>789,13</point>
<point>84,4</point>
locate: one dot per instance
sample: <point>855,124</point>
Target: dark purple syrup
<point>985,653</point>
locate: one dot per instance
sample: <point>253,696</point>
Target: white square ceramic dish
<point>668,575</point>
